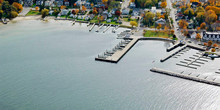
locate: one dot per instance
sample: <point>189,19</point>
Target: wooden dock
<point>187,76</point>
<point>119,53</point>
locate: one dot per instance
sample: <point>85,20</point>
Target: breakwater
<point>187,76</point>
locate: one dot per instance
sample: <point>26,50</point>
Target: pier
<point>100,27</point>
<point>186,76</point>
<point>107,28</point>
<point>195,47</point>
<point>175,46</point>
<point>92,27</point>
<point>119,53</point>
<point>174,53</point>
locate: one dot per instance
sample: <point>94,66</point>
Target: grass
<point>33,12</point>
<point>126,19</point>
<point>114,23</point>
<point>156,34</point>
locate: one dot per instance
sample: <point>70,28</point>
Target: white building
<point>214,36</point>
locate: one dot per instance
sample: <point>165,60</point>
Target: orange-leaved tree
<point>183,24</point>
<point>18,6</point>
<point>211,17</point>
<point>163,4</point>
<point>203,25</point>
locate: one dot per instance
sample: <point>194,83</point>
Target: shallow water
<point>51,66</point>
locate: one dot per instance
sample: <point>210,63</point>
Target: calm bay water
<point>51,66</point>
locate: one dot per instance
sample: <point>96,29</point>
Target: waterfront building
<point>214,36</point>
<point>28,3</point>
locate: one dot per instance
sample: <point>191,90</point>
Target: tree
<point>203,25</point>
<point>199,10</point>
<point>183,24</point>
<point>18,6</point>
<point>205,44</point>
<point>1,13</point>
<point>210,43</point>
<point>94,11</point>
<point>148,3</point>
<point>13,14</point>
<point>73,12</point>
<point>44,13</point>
<point>62,7</point>
<point>83,8</point>
<point>133,23</point>
<point>92,4</point>
<point>211,17</point>
<point>198,36</point>
<point>148,18</point>
<point>105,2</point>
<point>77,11</point>
<point>36,8</point>
<point>213,50</point>
<point>200,17</point>
<point>189,12</point>
<point>1,1</point>
<point>159,26</point>
<point>215,45</point>
<point>117,13</point>
<point>163,4</point>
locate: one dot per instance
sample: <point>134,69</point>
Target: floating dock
<point>189,76</point>
<point>119,53</point>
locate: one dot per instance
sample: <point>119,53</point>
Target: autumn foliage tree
<point>62,7</point>
<point>83,8</point>
<point>95,11</point>
<point>18,6</point>
<point>210,43</point>
<point>163,4</point>
<point>36,8</point>
<point>133,23</point>
<point>203,25</point>
<point>13,14</point>
<point>117,13</point>
<point>198,36</point>
<point>215,45</point>
<point>213,50</point>
<point>1,1</point>
<point>77,11</point>
<point>183,24</point>
<point>211,17</point>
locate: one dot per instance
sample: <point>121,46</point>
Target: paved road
<point>24,11</point>
<point>125,4</point>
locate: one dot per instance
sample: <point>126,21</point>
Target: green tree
<point>148,18</point>
<point>13,14</point>
<point>1,13</point>
<point>44,13</point>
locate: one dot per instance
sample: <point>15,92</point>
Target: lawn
<point>33,12</point>
<point>114,23</point>
<point>157,34</point>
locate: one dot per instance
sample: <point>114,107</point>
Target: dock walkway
<point>189,76</point>
<point>119,53</point>
<point>172,54</point>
